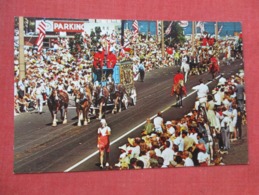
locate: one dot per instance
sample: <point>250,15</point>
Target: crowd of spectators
<point>200,138</point>
<point>60,68</point>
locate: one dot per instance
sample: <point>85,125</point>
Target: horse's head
<point>96,91</point>
<point>54,92</point>
<point>111,86</point>
<point>78,96</point>
<point>106,92</point>
<point>121,88</point>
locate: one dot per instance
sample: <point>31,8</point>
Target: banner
<point>68,26</point>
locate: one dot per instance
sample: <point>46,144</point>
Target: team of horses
<point>94,99</point>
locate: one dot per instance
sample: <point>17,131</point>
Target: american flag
<point>135,27</point>
<point>42,33</point>
<point>201,26</point>
<point>168,30</point>
<point>220,29</point>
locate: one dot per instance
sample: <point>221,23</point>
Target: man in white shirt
<point>202,91</point>
<point>188,162</point>
<point>169,128</point>
<point>185,67</point>
<point>37,93</point>
<point>167,153</point>
<point>158,123</point>
<point>225,123</point>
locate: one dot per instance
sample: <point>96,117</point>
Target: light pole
<point>193,34</point>
<point>216,30</point>
<point>21,49</point>
<point>162,39</point>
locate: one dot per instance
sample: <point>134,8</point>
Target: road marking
<point>124,135</point>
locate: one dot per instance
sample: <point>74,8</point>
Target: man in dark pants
<point>98,64</point>
<point>239,123</point>
<point>111,62</point>
<point>240,90</point>
<point>141,70</point>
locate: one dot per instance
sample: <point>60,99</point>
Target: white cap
<point>103,121</point>
<point>168,123</point>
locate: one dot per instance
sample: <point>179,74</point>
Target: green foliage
<point>176,35</point>
<point>76,44</point>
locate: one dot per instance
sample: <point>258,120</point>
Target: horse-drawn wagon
<point>114,88</point>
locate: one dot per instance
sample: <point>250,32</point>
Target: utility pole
<point>21,49</point>
<point>193,34</point>
<point>216,30</point>
<point>122,32</point>
<point>162,39</point>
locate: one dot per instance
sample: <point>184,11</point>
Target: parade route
<point>42,148</point>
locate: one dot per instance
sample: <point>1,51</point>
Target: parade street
<point>39,147</point>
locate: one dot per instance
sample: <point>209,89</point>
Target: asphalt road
<point>39,147</point>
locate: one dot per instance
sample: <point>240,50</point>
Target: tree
<point>76,44</point>
<point>175,36</point>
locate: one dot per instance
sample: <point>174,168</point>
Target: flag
<point>201,26</point>
<point>168,30</point>
<point>42,33</point>
<point>220,29</point>
<point>135,27</point>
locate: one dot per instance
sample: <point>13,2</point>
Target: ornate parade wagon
<point>119,85</point>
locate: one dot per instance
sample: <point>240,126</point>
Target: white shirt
<point>217,98</point>
<point>171,130</point>
<point>222,80</point>
<point>168,155</point>
<point>226,120</point>
<point>179,142</point>
<point>158,123</point>
<point>202,90</point>
<point>202,157</point>
<point>188,162</point>
<point>194,137</point>
<point>135,151</point>
<point>185,67</point>
<point>104,130</point>
<point>145,160</point>
<point>21,85</point>
<point>226,103</point>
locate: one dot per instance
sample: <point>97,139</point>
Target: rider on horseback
<point>87,95</point>
<point>214,66</point>
<point>178,80</point>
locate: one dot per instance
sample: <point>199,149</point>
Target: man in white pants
<point>37,92</point>
<point>185,67</point>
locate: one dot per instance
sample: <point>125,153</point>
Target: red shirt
<point>204,42</point>
<point>214,62</point>
<point>178,77</point>
<point>111,60</point>
<point>98,59</point>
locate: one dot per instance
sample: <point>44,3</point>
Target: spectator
<point>158,123</point>
<point>103,143</point>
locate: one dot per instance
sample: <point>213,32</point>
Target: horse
<point>119,96</point>
<point>83,103</point>
<point>213,69</point>
<point>58,101</point>
<point>133,96</point>
<point>100,98</point>
<point>179,91</point>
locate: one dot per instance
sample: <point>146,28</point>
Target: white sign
<point>49,25</point>
<point>183,23</point>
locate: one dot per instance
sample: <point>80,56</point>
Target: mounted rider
<point>87,94</point>
<point>214,66</point>
<point>178,79</point>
